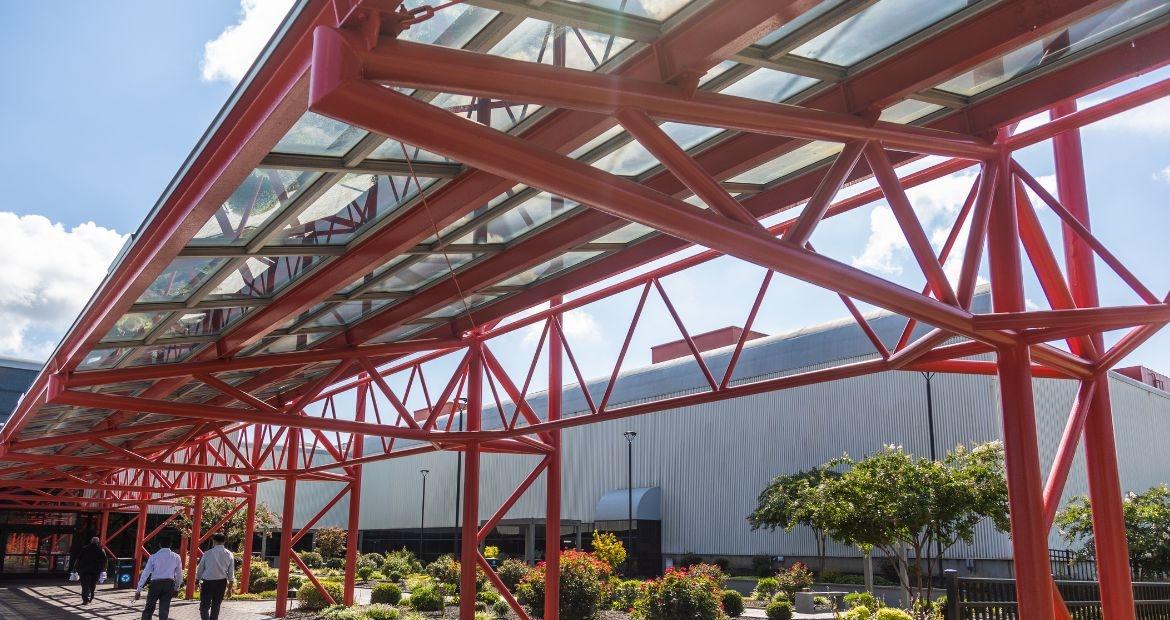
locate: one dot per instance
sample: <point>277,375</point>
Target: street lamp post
<point>462,404</point>
<point>422,520</point>
<point>630,435</point>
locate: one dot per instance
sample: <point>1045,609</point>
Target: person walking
<point>91,561</point>
<point>215,574</point>
<point>164,572</point>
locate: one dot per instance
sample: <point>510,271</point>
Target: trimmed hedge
<point>387,593</point>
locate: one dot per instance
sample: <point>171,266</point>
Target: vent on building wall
<point>1147,376</point>
<point>717,339</point>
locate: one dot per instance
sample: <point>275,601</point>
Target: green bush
<point>445,570</point>
<point>511,571</point>
<point>403,562</point>
<point>418,580</point>
<point>862,599</point>
<point>373,559</point>
<point>779,610</point>
<point>623,594</point>
<point>311,598</point>
<point>263,582</point>
<point>501,608</point>
<point>679,594</point>
<point>257,570</point>
<point>487,597</point>
<point>732,603</point>
<point>861,612</point>
<point>335,563</point>
<point>266,594</point>
<point>766,588</point>
<point>341,612</point>
<point>386,593</point>
<point>296,581</point>
<point>762,565</point>
<point>889,613</point>
<point>380,612</point>
<point>312,559</point>
<point>365,572</point>
<point>583,578</point>
<point>426,598</point>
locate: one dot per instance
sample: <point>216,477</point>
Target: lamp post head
<point>630,435</point>
<point>461,403</point>
<point>424,472</point>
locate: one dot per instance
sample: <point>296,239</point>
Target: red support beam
<point>552,518</point>
<point>292,447</point>
<point>1105,490</point>
<point>469,540</point>
<point>355,498</point>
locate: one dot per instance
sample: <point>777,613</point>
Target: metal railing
<point>971,598</point>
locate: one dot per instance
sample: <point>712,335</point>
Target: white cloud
<point>46,274</point>
<point>885,242</point>
<point>1153,117</point>
<point>579,326</point>
<point>1163,175</point>
<point>228,56</point>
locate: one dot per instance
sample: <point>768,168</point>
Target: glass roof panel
<point>519,219</point>
<point>203,322</point>
<point>532,41</point>
<point>908,111</point>
<point>801,20</point>
<point>789,162</point>
<point>314,134</point>
<point>101,358</point>
<point>347,208</point>
<point>885,23</point>
<point>717,71</point>
<point>286,344</point>
<point>134,326</point>
<point>632,158</point>
<point>769,85</point>
<point>502,117</point>
<point>625,234</point>
<point>346,312</point>
<point>658,10</point>
<point>421,272</point>
<point>164,354</point>
<point>547,268</point>
<point>402,332</point>
<point>1081,35</point>
<point>262,195</point>
<point>180,279</point>
<point>262,276</point>
<point>454,26</point>
<point>392,149</point>
<point>596,142</point>
<point>373,275</point>
<point>474,300</point>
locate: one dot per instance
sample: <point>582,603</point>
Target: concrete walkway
<point>47,600</point>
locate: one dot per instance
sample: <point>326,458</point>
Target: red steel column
<point>552,516</point>
<point>196,525</point>
<point>355,498</point>
<point>1100,444</point>
<point>104,526</point>
<point>139,540</point>
<point>469,546</point>
<point>292,446</point>
<point>1022,455</point>
<point>250,520</point>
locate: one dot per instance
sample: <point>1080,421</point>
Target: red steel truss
<point>338,58</point>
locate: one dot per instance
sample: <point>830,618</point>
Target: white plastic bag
<point>102,577</point>
<point>74,576</point>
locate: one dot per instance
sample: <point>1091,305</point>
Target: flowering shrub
<point>426,598</point>
<point>444,570</point>
<point>766,588</point>
<point>710,571</point>
<point>680,594</point>
<point>583,579</point>
<point>798,577</point>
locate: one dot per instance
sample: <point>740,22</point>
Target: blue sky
<point>110,97</point>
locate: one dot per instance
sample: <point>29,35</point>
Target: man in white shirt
<point>216,572</point>
<point>164,573</point>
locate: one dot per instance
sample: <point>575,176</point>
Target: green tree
<point>214,511</point>
<point>1147,527</point>
<point>607,547</point>
<point>795,500</point>
<point>330,542</point>
<point>891,500</point>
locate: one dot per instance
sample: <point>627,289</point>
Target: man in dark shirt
<point>91,561</point>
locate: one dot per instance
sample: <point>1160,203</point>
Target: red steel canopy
<point>393,179</point>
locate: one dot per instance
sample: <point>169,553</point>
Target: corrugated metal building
<point>711,461</point>
<point>15,377</point>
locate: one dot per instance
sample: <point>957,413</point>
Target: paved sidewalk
<point>43,600</point>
